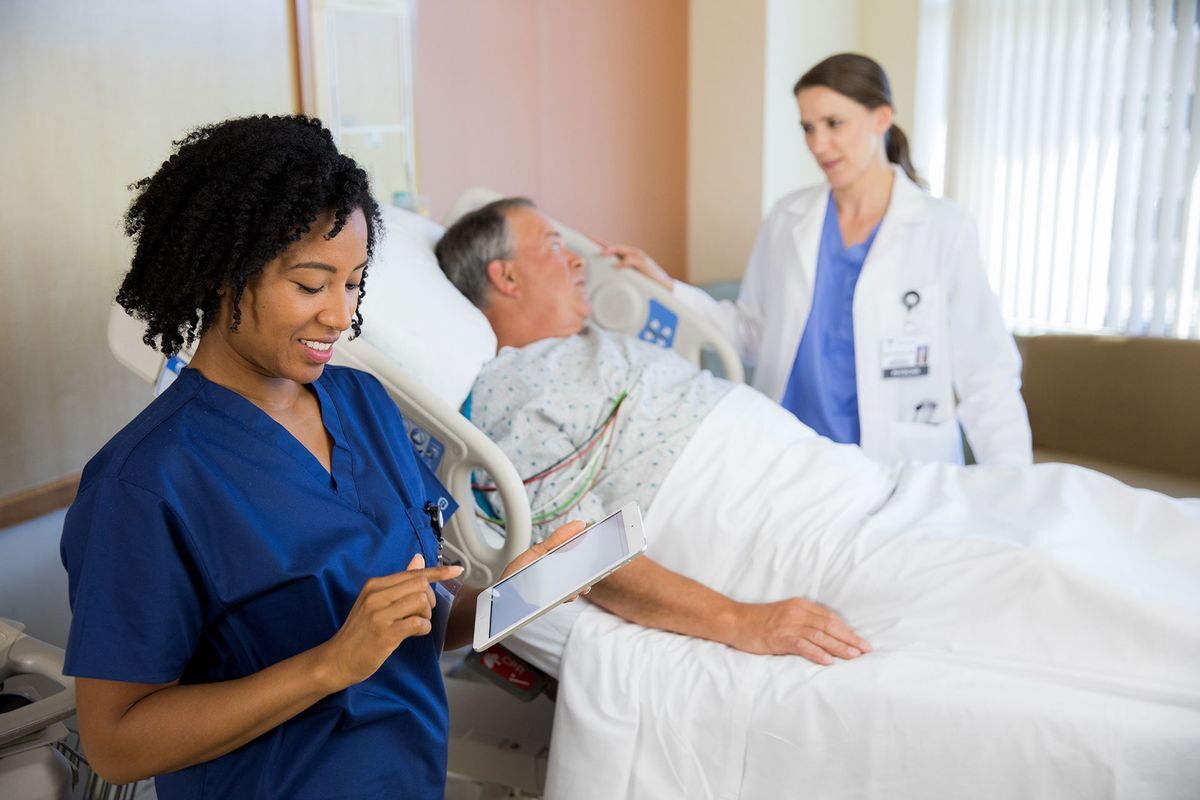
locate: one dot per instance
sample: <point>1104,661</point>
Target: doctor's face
<point>551,279</point>
<point>297,307</point>
<point>844,136</point>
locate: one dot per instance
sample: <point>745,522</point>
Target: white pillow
<point>413,314</point>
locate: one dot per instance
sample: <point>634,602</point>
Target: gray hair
<point>476,240</point>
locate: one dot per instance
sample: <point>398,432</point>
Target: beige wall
<point>890,30</point>
<point>93,92</point>
<point>580,105</point>
<point>725,137</point>
<point>799,34</point>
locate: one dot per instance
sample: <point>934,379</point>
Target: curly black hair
<point>233,196</point>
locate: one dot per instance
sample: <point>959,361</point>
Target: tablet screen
<point>558,573</point>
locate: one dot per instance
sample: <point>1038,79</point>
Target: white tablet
<point>563,572</point>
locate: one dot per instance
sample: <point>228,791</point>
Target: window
<point>1071,135</point>
<point>357,75</point>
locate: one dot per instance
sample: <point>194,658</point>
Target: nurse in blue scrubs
<point>251,561</point>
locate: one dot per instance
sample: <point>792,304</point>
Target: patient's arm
<point>649,594</point>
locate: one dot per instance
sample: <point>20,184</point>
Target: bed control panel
<point>427,447</point>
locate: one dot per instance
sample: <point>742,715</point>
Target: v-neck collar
<point>833,232</point>
<point>340,477</point>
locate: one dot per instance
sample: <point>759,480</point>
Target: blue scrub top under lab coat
<point>206,543</point>
<point>822,390</point>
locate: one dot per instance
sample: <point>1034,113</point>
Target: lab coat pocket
<point>934,441</point>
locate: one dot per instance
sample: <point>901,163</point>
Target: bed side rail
<point>21,654</point>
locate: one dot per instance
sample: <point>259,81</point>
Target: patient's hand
<point>796,627</point>
<point>638,260</point>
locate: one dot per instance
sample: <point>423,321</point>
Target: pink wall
<point>578,104</point>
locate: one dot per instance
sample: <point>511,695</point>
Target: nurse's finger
<point>415,604</point>
<point>442,572</point>
<point>409,627</point>
<point>622,250</point>
<point>429,575</point>
<point>412,582</point>
<point>379,593</point>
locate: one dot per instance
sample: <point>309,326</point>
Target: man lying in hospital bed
<point>1034,631</point>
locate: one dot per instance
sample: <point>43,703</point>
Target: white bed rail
<point>626,301</point>
<point>23,655</point>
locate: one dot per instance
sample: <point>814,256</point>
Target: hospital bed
<point>425,343</point>
<point>649,714</point>
<point>651,709</point>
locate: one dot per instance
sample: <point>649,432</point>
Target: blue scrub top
<point>822,390</point>
<point>206,543</point>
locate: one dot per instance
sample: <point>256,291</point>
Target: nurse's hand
<point>637,259</point>
<point>560,536</point>
<point>796,627</point>
<point>388,610</point>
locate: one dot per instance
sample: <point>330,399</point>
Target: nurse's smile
<point>318,350</point>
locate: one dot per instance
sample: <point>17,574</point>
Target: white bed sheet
<point>1036,634</point>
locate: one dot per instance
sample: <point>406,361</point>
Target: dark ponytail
<point>863,81</point>
<point>896,146</point>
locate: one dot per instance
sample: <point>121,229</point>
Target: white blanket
<point>1036,634</point>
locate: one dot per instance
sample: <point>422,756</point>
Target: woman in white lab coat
<point>865,308</point>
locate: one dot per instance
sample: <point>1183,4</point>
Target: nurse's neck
<point>862,204</point>
<point>868,195</point>
<point>224,366</point>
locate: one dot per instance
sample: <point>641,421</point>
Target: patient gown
<point>206,543</point>
<point>541,402</point>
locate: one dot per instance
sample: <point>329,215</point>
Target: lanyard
<point>437,522</point>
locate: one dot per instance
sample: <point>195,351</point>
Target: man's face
<point>551,280</point>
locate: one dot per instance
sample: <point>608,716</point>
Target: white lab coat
<point>923,244</point>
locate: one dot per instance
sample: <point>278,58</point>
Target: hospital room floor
<point>459,788</point>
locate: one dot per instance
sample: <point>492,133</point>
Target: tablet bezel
<point>635,545</point>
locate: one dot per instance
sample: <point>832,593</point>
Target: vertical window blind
<point>1073,135</point>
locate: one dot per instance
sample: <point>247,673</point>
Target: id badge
<point>904,357</point>
<point>441,612</point>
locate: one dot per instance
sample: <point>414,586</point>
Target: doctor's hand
<point>796,627</point>
<point>388,610</point>
<point>560,536</point>
<point>637,259</point>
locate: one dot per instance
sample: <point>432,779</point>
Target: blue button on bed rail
<point>660,326</point>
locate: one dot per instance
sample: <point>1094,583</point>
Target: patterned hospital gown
<point>542,401</point>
